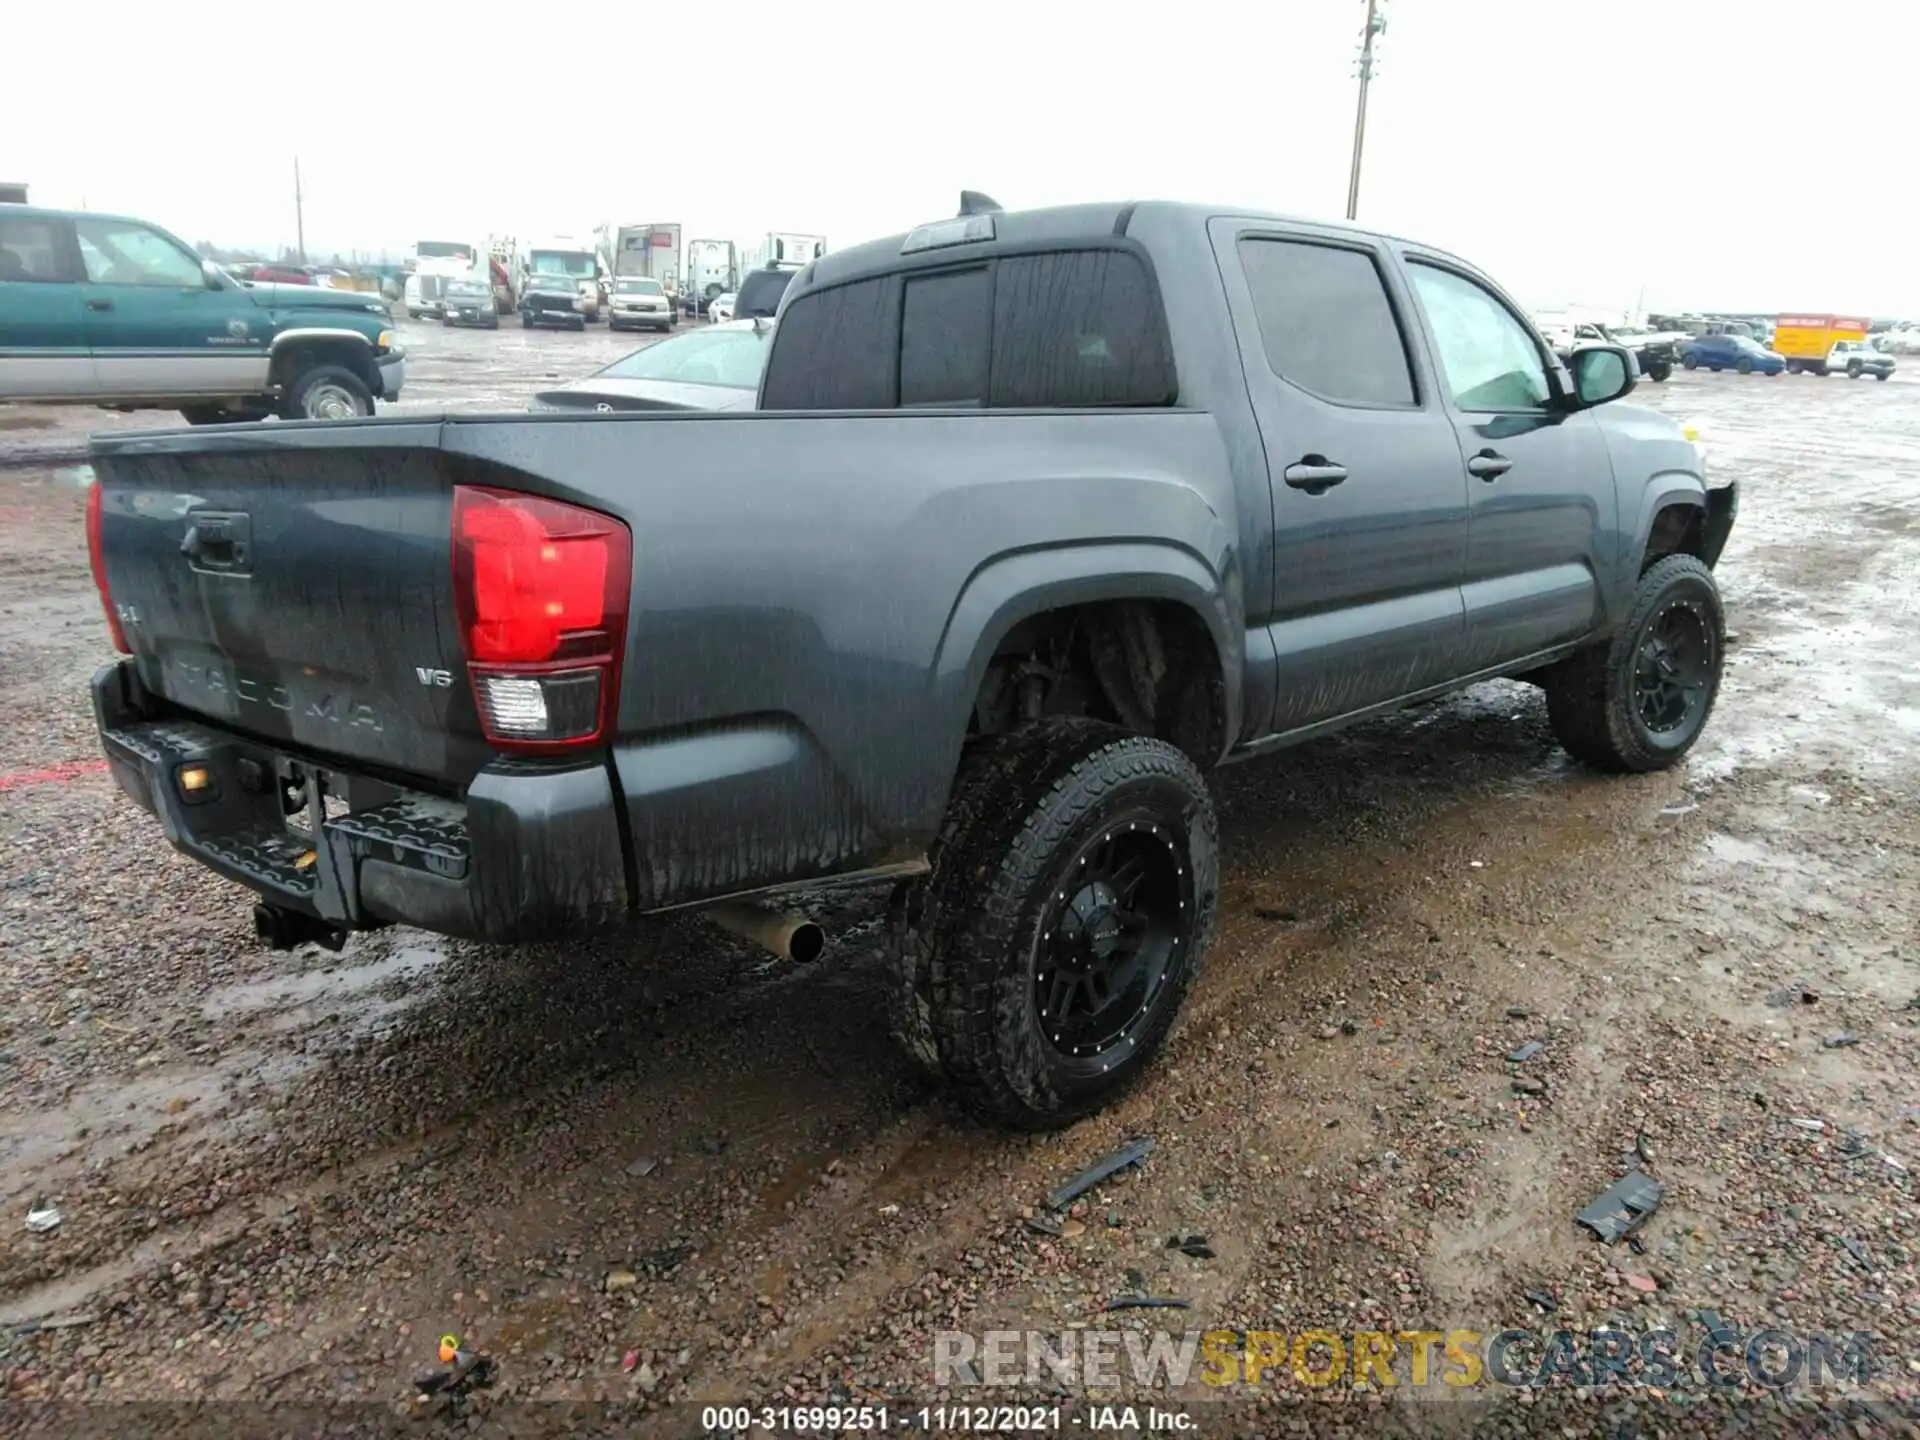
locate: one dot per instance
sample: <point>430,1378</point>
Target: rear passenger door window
<point>1326,322</point>
<point>33,251</point>
<point>1076,328</point>
<point>945,337</point>
<point>1490,358</point>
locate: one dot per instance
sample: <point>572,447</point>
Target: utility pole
<point>1376,26</point>
<point>300,216</point>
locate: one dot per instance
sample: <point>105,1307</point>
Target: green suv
<point>109,311</point>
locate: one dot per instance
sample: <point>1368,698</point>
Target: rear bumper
<point>393,375</point>
<point>529,852</point>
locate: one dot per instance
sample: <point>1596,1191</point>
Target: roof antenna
<point>972,202</point>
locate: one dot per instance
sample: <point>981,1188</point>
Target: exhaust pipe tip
<point>781,933</point>
<point>807,943</point>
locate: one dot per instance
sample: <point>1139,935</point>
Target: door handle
<point>1314,474</point>
<point>99,304</point>
<point>1489,465</point>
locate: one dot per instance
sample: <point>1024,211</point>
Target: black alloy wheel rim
<point>1672,668</point>
<point>1113,939</point>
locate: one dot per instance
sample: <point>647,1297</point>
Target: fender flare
<point>321,335</point>
<point>1662,492</point>
<point>1017,586</point>
<point>311,333</point>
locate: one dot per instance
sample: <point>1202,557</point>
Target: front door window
<point>1491,361</point>
<point>120,252</point>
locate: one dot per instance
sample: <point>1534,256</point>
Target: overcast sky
<point>1707,153</point>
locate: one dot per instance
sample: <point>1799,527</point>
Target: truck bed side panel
<point>798,683</point>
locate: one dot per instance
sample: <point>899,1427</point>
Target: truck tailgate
<point>297,588</point>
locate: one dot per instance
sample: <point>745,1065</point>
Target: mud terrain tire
<point>995,948</point>
<point>1639,702</point>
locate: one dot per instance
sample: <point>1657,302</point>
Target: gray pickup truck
<point>1040,516</point>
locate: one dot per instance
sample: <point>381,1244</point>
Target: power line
<point>1376,26</point>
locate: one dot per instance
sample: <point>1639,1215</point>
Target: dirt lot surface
<point>660,1172</point>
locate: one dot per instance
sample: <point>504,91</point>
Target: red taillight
<point>541,589</point>
<point>98,562</point>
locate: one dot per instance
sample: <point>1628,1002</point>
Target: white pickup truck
<point>1657,351</point>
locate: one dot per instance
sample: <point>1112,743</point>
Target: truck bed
<point>799,658</point>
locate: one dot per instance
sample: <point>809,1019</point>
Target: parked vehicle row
<point>112,311</point>
<point>1035,518</point>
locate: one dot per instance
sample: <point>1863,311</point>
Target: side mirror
<point>212,274</point>
<point>1602,373</point>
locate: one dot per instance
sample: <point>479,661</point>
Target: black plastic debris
<point>1131,1154</point>
<point>1622,1207</point>
<point>1043,1224</point>
<point>1840,1039</point>
<point>1518,1012</point>
<point>1526,1052</point>
<point>1194,1247</point>
<point>1643,1147</point>
<point>665,1259</point>
<point>1542,1301</point>
<point>1148,1302</point>
<point>1858,1252</point>
<point>466,1371</point>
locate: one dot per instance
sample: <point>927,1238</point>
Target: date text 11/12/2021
<point>982,1419</point>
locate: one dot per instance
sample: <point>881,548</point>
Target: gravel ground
<point>656,1173</point>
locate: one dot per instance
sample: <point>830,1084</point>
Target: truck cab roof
<point>1060,224</point>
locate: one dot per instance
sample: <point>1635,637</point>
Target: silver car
<point>638,302</point>
<point>716,367</point>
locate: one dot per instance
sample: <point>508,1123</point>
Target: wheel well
<point>1150,665</point>
<point>1677,530</point>
<point>291,360</point>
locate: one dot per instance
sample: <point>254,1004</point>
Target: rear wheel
<point>1043,960</point>
<point>1881,374</point>
<point>1660,370</point>
<point>327,392</point>
<point>1640,701</point>
<point>219,415</point>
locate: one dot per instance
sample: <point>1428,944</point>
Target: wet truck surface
<point>1041,515</point>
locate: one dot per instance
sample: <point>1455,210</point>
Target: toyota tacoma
<point>1040,516</point>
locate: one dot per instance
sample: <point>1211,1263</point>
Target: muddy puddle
<point>366,997</point>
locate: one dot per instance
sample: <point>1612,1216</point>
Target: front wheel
<point>327,392</point>
<point>1853,369</point>
<point>1689,362</point>
<point>1659,370</point>
<point>1042,961</point>
<point>1881,374</point>
<point>1639,702</point>
<point>1744,366</point>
